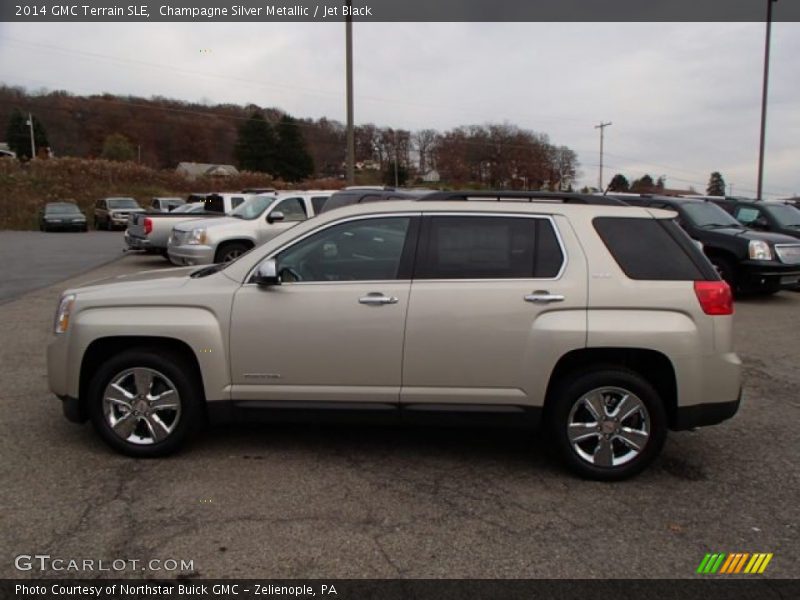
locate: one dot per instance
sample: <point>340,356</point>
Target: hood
<point>144,280</point>
<point>207,223</point>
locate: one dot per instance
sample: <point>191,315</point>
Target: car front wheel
<point>145,403</point>
<point>607,424</point>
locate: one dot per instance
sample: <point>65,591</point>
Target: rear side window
<point>653,249</point>
<point>317,202</point>
<point>478,247</point>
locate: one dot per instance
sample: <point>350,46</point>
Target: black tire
<point>42,227</point>
<point>229,251</point>
<point>572,389</point>
<point>170,367</point>
<point>96,224</point>
<point>727,270</point>
<point>84,229</point>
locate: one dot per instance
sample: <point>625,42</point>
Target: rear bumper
<point>702,415</point>
<point>137,243</point>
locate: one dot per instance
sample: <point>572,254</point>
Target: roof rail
<point>530,196</point>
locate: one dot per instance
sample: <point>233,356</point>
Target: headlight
<point>63,313</point>
<point>759,250</point>
<point>197,236</point>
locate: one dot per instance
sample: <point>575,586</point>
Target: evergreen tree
<point>255,148</point>
<point>619,183</point>
<point>293,162</point>
<point>18,134</point>
<point>644,185</point>
<point>716,185</point>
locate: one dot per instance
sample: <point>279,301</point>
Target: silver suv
<point>603,323</point>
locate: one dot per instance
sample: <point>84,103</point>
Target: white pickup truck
<point>256,221</point>
<point>150,231</point>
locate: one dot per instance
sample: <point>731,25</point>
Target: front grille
<point>788,253</point>
<point>179,237</point>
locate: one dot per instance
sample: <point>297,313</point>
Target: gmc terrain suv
<point>602,322</point>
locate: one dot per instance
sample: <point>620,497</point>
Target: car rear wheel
<point>145,403</point>
<point>230,252</point>
<point>607,424</point>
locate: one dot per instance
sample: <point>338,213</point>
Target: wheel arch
<point>100,349</point>
<point>652,365</point>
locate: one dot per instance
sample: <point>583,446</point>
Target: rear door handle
<point>377,298</point>
<point>544,297</point>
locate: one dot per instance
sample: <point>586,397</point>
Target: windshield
<point>253,207</point>
<point>62,209</point>
<point>785,215</point>
<point>707,214</point>
<point>122,203</point>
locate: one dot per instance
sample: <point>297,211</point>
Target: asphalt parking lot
<point>366,502</point>
<point>32,260</point>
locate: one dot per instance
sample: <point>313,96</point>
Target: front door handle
<point>377,298</point>
<point>544,297</point>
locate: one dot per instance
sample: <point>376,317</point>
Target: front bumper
<point>773,274</point>
<point>191,254</point>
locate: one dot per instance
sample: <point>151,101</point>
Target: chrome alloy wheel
<point>608,427</point>
<point>141,406</point>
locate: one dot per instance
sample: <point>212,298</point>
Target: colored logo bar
<point>736,562</point>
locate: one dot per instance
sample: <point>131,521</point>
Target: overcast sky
<point>684,98</point>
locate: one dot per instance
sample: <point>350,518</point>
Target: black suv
<point>779,217</point>
<point>750,261</point>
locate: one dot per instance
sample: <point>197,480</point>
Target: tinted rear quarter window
<point>653,249</point>
<point>477,247</point>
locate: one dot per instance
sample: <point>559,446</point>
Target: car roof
<point>61,203</point>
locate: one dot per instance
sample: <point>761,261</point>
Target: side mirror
<point>275,216</point>
<point>760,223</point>
<point>267,273</point>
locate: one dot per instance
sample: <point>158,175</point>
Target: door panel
<point>474,338</point>
<point>333,330</point>
<point>306,341</point>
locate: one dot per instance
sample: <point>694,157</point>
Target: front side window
<point>363,250</point>
<point>292,209</point>
<point>478,247</point>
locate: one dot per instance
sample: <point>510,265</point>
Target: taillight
<point>148,225</point>
<point>715,297</point>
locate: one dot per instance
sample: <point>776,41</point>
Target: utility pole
<point>601,127</point>
<point>764,101</point>
<point>351,144</point>
<point>33,143</point>
<point>396,157</point>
